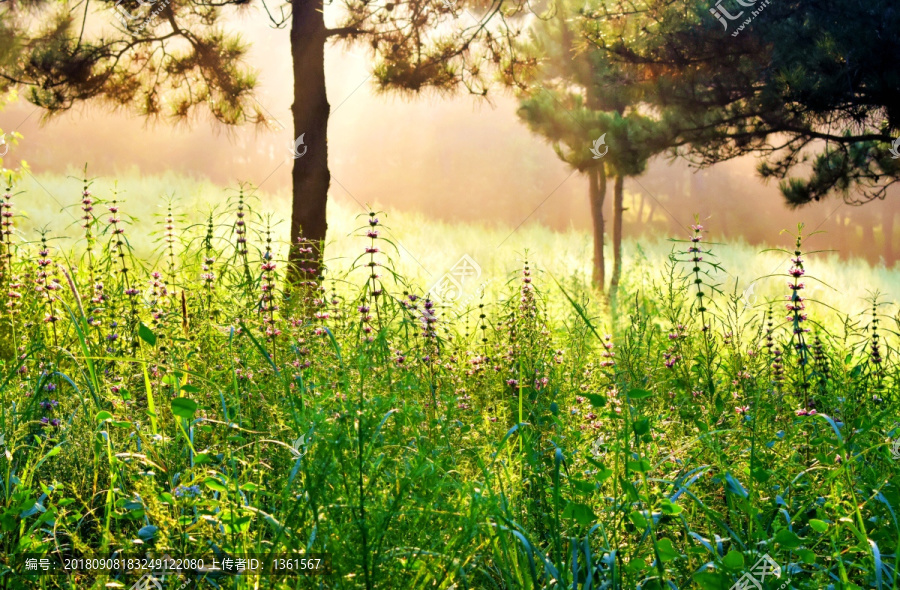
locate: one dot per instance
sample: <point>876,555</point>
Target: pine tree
<point>799,83</point>
<point>175,58</point>
<point>584,106</point>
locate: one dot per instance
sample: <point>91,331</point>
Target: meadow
<point>727,420</point>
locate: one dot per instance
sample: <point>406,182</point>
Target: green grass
<point>539,436</point>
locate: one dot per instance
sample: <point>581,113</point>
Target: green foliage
<point>795,82</point>
<point>188,402</point>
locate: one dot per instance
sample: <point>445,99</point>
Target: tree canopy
<point>811,86</point>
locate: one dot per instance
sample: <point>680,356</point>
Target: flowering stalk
<point>696,261</point>
<point>9,282</point>
<point>240,230</point>
<point>47,285</point>
<point>169,240</point>
<point>875,358</point>
<point>208,274</point>
<point>796,306</point>
<point>267,307</point>
<point>373,284</point>
<point>776,361</point>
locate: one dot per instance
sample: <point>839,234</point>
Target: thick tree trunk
<point>597,192</point>
<point>310,111</point>
<point>618,210</point>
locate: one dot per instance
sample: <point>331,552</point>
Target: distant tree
<point>584,106</point>
<point>814,84</point>
<point>172,58</point>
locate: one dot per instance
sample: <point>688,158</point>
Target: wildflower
<point>189,491</point>
<point>742,409</point>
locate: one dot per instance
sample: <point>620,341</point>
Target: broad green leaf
<point>642,466</point>
<point>638,519</point>
<point>667,551</point>
<point>712,581</point>
<point>670,508</point>
<point>214,484</point>
<point>598,401</point>
<point>788,539</point>
<point>580,513</point>
<point>146,334</point>
<point>820,526</point>
<point>184,407</point>
<point>642,426</point>
<point>734,560</point>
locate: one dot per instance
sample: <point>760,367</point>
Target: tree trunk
<point>597,193</point>
<point>310,110</point>
<point>868,238</point>
<point>888,221</point>
<point>618,210</point>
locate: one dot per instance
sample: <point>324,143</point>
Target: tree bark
<point>597,193</point>
<point>618,210</point>
<point>310,110</point>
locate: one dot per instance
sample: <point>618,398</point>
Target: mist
<point>454,158</point>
